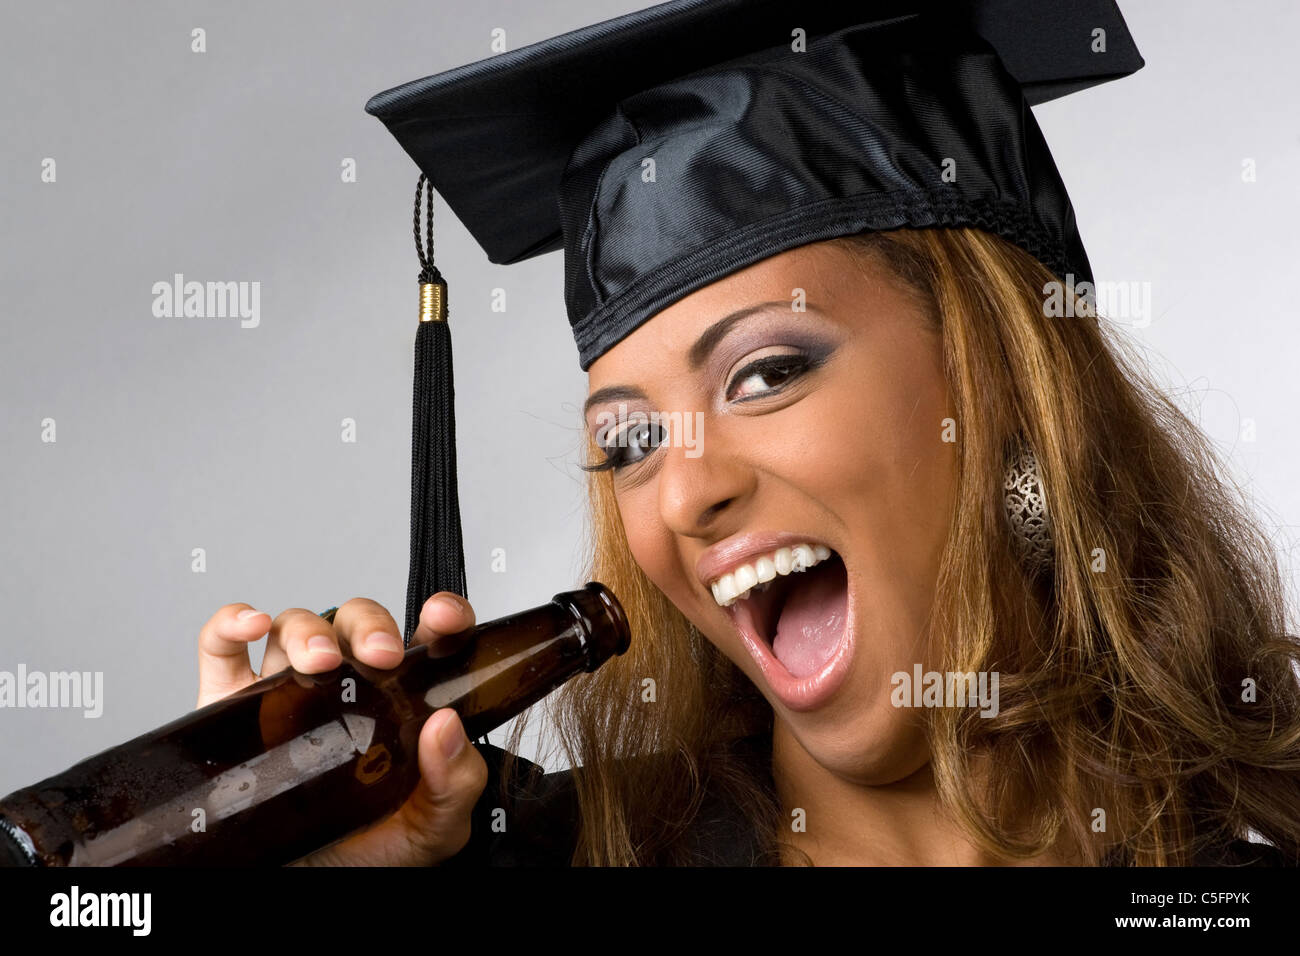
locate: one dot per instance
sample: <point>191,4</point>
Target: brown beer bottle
<point>295,762</point>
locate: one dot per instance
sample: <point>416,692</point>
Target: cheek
<point>869,449</point>
<point>650,542</point>
<point>896,483</point>
<point>875,460</point>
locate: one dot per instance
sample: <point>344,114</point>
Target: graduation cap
<point>665,149</point>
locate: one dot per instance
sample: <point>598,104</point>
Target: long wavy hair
<point>1149,705</point>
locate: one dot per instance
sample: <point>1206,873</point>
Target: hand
<point>434,822</point>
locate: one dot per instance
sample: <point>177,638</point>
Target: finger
<point>445,619</point>
<point>224,666</point>
<point>368,632</point>
<point>453,774</point>
<point>434,823</point>
<point>303,640</point>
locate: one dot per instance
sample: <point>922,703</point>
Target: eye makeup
<point>768,376</point>
<point>794,343</point>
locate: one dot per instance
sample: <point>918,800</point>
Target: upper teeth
<point>737,584</point>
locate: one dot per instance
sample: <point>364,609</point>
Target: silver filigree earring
<point>1026,505</point>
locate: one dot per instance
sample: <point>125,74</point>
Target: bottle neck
<point>503,668</point>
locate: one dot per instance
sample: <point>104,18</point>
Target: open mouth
<point>800,616</point>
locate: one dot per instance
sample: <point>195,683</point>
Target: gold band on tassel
<point>433,302</point>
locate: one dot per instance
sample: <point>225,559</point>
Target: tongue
<point>812,620</point>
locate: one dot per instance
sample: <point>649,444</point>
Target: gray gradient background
<point>182,433</point>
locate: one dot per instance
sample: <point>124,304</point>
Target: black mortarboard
<point>770,125</point>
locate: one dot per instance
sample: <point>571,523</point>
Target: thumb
<point>453,775</point>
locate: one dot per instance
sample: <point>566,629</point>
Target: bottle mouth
<point>617,616</point>
<point>602,619</point>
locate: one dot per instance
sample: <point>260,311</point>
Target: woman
<point>1145,710</point>
<point>944,580</point>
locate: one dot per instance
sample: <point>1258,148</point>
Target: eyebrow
<point>695,357</point>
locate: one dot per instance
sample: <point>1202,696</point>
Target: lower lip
<point>804,693</point>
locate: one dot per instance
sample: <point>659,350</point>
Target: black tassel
<point>437,550</point>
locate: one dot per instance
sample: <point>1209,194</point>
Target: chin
<point>880,747</point>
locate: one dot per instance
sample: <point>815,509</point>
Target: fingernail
<point>454,603</point>
<point>451,736</point>
<point>321,643</point>
<point>383,641</point>
<point>249,612</point>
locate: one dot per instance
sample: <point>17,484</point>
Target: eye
<point>643,436</point>
<point>768,375</point>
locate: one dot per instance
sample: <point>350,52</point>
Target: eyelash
<point>803,364</point>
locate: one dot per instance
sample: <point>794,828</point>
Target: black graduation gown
<point>541,826</point>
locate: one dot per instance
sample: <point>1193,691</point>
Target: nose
<point>698,486</point>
